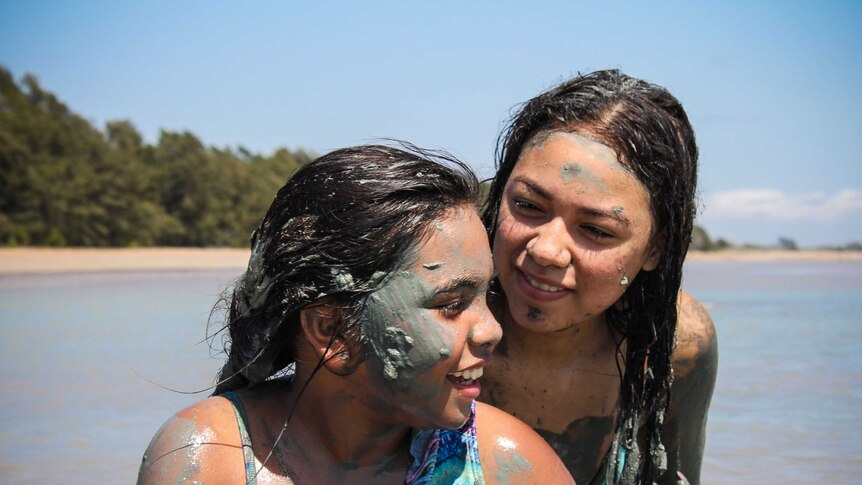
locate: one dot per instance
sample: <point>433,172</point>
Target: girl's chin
<point>536,320</point>
<point>458,420</point>
<point>457,413</point>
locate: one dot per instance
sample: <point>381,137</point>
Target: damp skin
<point>181,457</point>
<point>430,319</point>
<point>575,219</point>
<point>511,464</point>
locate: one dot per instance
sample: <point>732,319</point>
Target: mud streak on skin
<point>579,445</point>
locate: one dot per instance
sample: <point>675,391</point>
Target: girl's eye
<point>524,205</point>
<point>596,232</point>
<point>453,309</point>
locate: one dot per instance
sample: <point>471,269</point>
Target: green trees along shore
<point>63,182</point>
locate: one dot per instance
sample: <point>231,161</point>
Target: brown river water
<point>77,351</point>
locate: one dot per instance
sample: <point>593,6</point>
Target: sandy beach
<point>774,255</point>
<point>76,260</point>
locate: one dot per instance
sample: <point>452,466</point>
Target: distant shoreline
<point>774,255</point>
<point>82,260</point>
<point>88,260</point>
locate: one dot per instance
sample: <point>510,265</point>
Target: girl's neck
<point>340,428</point>
<point>589,339</point>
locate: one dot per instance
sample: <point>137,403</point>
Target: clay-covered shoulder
<point>695,367</point>
<point>512,453</point>
<point>199,444</point>
<point>696,340</point>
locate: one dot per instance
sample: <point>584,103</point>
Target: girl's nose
<point>548,247</point>
<point>486,331</point>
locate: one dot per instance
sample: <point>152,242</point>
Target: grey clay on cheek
<point>393,315</point>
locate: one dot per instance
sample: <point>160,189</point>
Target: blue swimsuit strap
<point>449,456</point>
<point>621,464</point>
<point>247,451</point>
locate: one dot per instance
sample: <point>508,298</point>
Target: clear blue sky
<point>772,88</point>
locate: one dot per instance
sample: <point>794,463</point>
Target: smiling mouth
<point>542,286</point>
<point>467,376</point>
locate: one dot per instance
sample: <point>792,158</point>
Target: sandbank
<point>82,260</point>
<point>85,260</point>
<point>774,255</point>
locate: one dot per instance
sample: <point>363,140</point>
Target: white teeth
<point>469,374</point>
<point>543,286</point>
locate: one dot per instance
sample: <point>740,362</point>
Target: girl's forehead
<point>577,169</point>
<point>573,157</point>
<point>583,146</point>
<point>455,242</point>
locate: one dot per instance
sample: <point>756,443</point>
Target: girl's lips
<point>467,388</point>
<point>470,373</point>
<point>535,293</point>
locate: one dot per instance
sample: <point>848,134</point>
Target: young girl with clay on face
<point>590,216</point>
<point>368,280</point>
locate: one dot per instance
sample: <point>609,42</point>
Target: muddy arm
<point>695,364</point>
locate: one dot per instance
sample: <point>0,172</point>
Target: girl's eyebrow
<point>453,285</point>
<point>612,214</point>
<point>533,187</point>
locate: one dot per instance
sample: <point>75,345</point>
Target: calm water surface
<point>788,401</point>
<point>76,350</point>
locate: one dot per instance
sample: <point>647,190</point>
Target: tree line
<point>64,182</point>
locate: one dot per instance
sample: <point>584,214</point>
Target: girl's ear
<point>322,326</point>
<point>654,252</point>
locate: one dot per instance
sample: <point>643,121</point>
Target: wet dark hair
<point>335,230</point>
<point>651,135</point>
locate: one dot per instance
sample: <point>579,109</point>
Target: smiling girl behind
<point>590,216</point>
<point>367,280</point>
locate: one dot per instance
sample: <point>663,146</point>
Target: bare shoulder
<point>697,342</point>
<point>512,453</point>
<point>201,443</point>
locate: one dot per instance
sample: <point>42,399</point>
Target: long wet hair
<point>652,137</point>
<point>335,230</point>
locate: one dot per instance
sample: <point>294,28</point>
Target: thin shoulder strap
<point>247,451</point>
